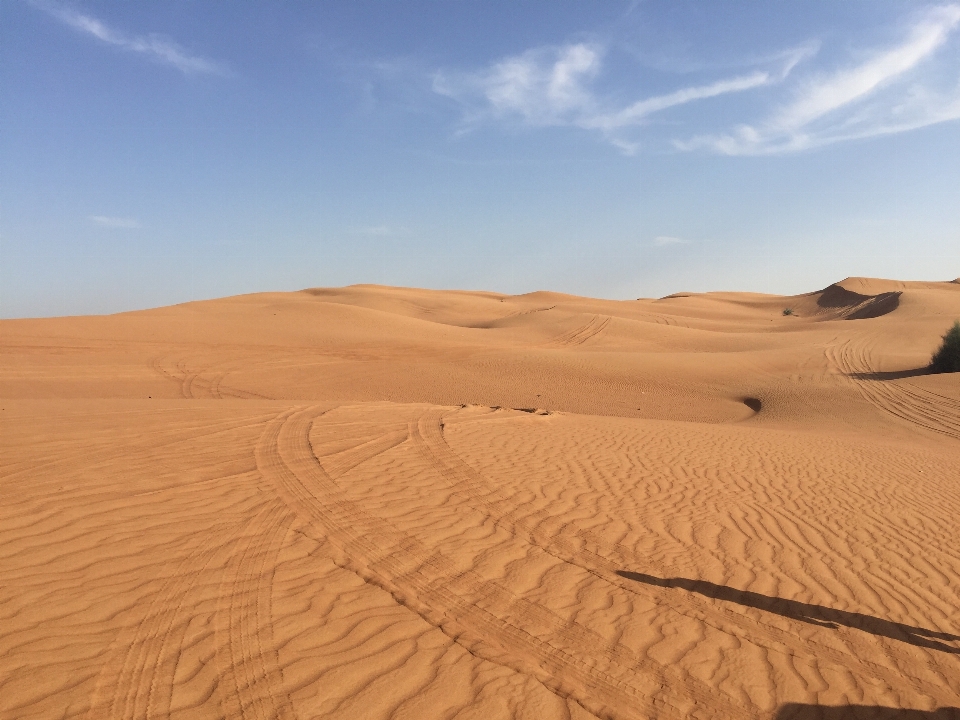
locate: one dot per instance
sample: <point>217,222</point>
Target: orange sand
<point>373,502</point>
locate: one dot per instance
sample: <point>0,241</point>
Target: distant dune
<point>375,502</point>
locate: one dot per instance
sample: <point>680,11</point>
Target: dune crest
<point>391,503</point>
<point>851,305</point>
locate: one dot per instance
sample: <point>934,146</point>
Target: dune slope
<point>395,503</point>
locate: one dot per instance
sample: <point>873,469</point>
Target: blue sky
<point>158,152</point>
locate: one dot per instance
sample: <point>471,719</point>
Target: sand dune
<point>373,502</point>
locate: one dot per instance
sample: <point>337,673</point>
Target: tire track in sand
<point>481,615</point>
<point>899,398</point>
<point>251,681</point>
<point>146,653</point>
<point>603,559</point>
<point>578,336</point>
<point>206,383</point>
<point>338,464</point>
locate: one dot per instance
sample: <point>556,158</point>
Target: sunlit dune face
<point>384,502</point>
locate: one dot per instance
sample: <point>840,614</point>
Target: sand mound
<point>838,301</point>
<point>396,503</point>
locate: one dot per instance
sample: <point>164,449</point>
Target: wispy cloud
<point>907,85</point>
<point>553,86</point>
<point>542,87</point>
<point>868,99</point>
<point>632,114</point>
<point>380,231</point>
<point>154,46</point>
<point>664,240</point>
<point>114,222</point>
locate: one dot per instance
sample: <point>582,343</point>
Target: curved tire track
<point>251,680</point>
<point>596,325</point>
<point>603,559</point>
<point>481,615</point>
<point>899,398</point>
<point>201,384</point>
<point>145,655</point>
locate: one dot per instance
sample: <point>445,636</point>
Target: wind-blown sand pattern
<point>375,502</point>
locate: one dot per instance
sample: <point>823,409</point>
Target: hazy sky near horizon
<point>159,152</point>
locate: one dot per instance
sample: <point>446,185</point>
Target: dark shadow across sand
<point>798,711</point>
<point>891,375</point>
<point>806,612</point>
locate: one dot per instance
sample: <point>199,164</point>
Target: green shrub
<point>788,311</point>
<point>947,358</point>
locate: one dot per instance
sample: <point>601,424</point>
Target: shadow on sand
<point>796,711</point>
<point>814,614</point>
<point>892,375</point>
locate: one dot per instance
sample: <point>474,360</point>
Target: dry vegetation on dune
<point>374,502</point>
<point>947,357</point>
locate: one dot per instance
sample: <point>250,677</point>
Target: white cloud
<point>378,231</point>
<point>552,87</point>
<point>833,107</point>
<point>154,46</point>
<point>544,86</point>
<point>911,84</point>
<point>114,222</point>
<point>633,114</point>
<point>663,240</point>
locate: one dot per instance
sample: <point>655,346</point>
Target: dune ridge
<point>395,503</point>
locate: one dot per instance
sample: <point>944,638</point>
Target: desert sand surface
<point>374,502</point>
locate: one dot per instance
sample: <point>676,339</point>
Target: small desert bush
<point>947,358</point>
<point>788,311</point>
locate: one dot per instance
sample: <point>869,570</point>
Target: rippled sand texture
<point>384,503</point>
